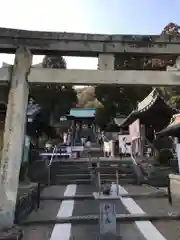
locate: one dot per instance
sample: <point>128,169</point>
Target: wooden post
<point>14,136</point>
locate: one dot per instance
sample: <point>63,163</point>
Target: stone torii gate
<point>21,77</point>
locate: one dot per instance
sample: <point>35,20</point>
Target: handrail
<point>151,145</point>
<point>53,153</point>
<point>133,159</point>
<point>137,169</point>
<point>50,163</point>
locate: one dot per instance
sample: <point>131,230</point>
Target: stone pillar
<point>14,136</point>
<point>106,62</point>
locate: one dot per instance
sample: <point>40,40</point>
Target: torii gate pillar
<point>14,136</point>
<point>106,62</point>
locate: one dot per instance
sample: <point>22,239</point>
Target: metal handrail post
<point>117,182</point>
<point>99,178</point>
<point>50,163</point>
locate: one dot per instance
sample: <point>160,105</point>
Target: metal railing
<point>54,153</point>
<point>133,159</point>
<point>150,145</point>
<point>137,169</point>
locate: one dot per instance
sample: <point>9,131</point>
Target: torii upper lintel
<point>83,44</point>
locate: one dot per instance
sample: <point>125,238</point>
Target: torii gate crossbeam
<point>88,45</point>
<point>94,77</point>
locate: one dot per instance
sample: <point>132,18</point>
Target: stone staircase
<point>126,173</point>
<point>69,172</point>
<point>84,133</point>
<point>79,172</point>
<point>88,132</point>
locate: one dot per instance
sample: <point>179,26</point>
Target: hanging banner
<point>134,130</point>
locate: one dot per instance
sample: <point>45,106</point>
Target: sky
<point>88,16</point>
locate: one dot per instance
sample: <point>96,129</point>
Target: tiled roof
<point>173,128</point>
<point>144,105</point>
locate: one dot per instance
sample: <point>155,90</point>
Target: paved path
<point>131,231</point>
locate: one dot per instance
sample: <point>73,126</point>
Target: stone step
<point>62,171</point>
<point>87,172</point>
<point>79,175</point>
<point>70,171</point>
<point>120,171</point>
<point>71,176</point>
<point>86,160</point>
<point>86,163</point>
<point>88,176</point>
<point>121,176</point>
<point>67,167</point>
<point>58,181</point>
<point>121,181</point>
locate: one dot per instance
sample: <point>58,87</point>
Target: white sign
<point>134,130</point>
<point>69,150</point>
<point>125,144</point>
<point>107,218</point>
<point>63,118</point>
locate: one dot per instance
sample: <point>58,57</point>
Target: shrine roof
<point>145,105</point>
<point>173,129</point>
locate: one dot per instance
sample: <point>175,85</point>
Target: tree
<point>171,94</point>
<point>57,99</point>
<point>117,100</point>
<point>103,117</point>
<point>86,98</point>
<point>124,99</point>
<point>120,99</point>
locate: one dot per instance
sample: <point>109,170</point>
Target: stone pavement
<point>49,210</point>
<point>129,231</point>
<point>169,229</point>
